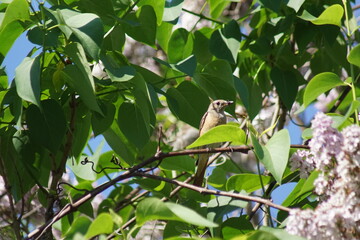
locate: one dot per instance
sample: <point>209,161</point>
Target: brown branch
<point>57,171</point>
<point>130,198</point>
<point>69,208</point>
<point>340,99</point>
<point>172,193</point>
<point>216,192</point>
<point>356,7</point>
<point>258,205</point>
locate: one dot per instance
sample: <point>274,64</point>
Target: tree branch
<point>69,208</point>
<point>216,192</point>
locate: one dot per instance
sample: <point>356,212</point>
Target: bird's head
<point>219,105</point>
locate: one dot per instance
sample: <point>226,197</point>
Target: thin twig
<point>216,192</point>
<point>201,16</point>
<point>340,99</point>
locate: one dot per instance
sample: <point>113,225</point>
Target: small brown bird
<point>213,117</point>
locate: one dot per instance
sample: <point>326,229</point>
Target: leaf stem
<point>202,16</point>
<point>349,44</point>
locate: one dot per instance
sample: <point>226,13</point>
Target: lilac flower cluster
<point>336,156</point>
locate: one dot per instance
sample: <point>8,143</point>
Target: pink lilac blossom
<point>336,156</point>
<point>303,160</point>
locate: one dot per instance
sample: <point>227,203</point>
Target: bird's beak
<point>229,103</point>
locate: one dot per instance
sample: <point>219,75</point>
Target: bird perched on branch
<point>213,117</point>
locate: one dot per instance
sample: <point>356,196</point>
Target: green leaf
<point>174,229</point>
<point>295,4</point>
<point>272,4</point>
<point>250,94</point>
<point>181,102</point>
<point>158,6</point>
<point>217,7</point>
<point>76,52</point>
<point>261,46</point>
<point>217,179</point>
<point>178,163</point>
<point>354,56</point>
<point>114,39</point>
<point>103,223</point>
<point>153,209</point>
<point>141,25</point>
<point>331,15</point>
<point>133,124</point>
<point>225,42</point>
<point>88,28</point>
<point>103,8</point>
<point>220,69</point>
<point>100,123</point>
<point>180,45</point>
<point>27,80</point>
<point>163,35</point>
<point>301,191</point>
<point>202,45</point>
<point>48,127</point>
<point>16,10</point>
<point>107,160</point>
<point>286,86</point>
<point>187,66</point>
<point>116,67</point>
<point>79,226</point>
<point>3,82</point>
<point>143,99</point>
<point>220,206</point>
<point>47,39</point>
<point>150,77</point>
<point>222,133</point>
<point>22,161</point>
<point>279,147</point>
<point>217,88</point>
<point>8,36</point>
<point>355,105</point>
<point>85,170</point>
<point>82,130</point>
<point>172,11</point>
<point>247,182</point>
<point>236,226</point>
<point>263,154</point>
<point>120,144</point>
<point>280,233</point>
<point>12,25</point>
<point>82,85</point>
<point>319,84</point>
<point>153,185</point>
<point>188,215</point>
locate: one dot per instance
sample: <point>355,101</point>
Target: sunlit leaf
<point>320,84</point>
<point>279,147</point>
<point>247,182</point>
<point>153,209</point>
<point>222,133</point>
<point>27,79</point>
<point>225,42</point>
<point>354,56</point>
<point>102,224</point>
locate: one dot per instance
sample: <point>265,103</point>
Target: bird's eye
<point>218,103</point>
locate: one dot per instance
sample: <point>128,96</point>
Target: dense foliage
<point>140,75</point>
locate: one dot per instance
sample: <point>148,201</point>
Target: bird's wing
<point>202,122</point>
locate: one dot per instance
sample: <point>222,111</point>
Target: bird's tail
<point>201,168</point>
